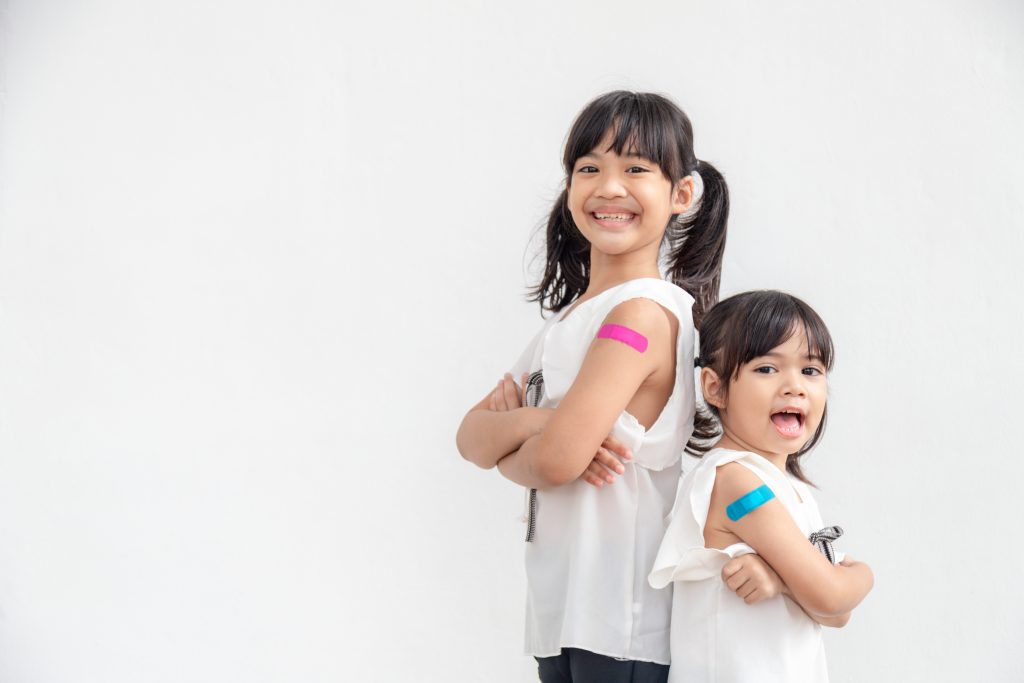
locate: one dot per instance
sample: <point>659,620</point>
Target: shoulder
<point>734,480</point>
<point>641,314</point>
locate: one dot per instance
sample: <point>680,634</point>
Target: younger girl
<point>764,358</point>
<point>615,358</point>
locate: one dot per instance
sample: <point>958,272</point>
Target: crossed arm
<point>546,448</point>
<point>827,593</point>
<point>542,448</point>
<point>494,411</point>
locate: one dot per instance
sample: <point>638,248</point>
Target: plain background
<point>257,259</point>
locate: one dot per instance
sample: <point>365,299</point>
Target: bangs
<point>747,326</point>
<point>640,123</point>
<point>765,320</point>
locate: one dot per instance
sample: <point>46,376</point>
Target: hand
<point>752,579</point>
<point>606,464</point>
<point>507,395</point>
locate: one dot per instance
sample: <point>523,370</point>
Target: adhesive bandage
<point>749,502</point>
<point>623,334</point>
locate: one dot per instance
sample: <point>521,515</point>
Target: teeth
<point>614,216</point>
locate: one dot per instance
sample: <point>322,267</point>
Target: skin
<point>561,447</point>
<point>622,205</point>
<point>787,378</point>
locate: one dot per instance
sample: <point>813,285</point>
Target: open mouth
<point>613,219</point>
<point>789,422</point>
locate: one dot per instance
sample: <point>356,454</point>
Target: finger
<point>592,480</point>
<point>746,590</point>
<point>499,396</point>
<point>600,472</point>
<point>522,383</point>
<point>617,447</point>
<point>753,597</point>
<point>493,403</point>
<point>609,461</point>
<point>737,581</point>
<point>511,393</point>
<point>731,567</point>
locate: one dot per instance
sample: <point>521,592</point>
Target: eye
<point>765,370</point>
<point>813,371</point>
<point>587,169</point>
<point>637,169</point>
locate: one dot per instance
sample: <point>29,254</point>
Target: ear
<point>682,195</point>
<point>712,386</point>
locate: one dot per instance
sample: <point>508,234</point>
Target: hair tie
<point>697,362</point>
<point>698,192</point>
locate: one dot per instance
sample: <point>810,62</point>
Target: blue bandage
<point>749,502</point>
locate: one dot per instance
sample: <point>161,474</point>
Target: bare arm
<point>825,591</point>
<point>487,435</point>
<point>837,621</point>
<point>609,378</point>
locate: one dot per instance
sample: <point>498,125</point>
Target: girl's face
<point>622,204</point>
<point>775,403</point>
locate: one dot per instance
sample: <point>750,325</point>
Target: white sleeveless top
<point>592,549</point>
<point>716,637</point>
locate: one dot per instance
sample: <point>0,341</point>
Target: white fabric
<point>716,637</point>
<point>587,566</point>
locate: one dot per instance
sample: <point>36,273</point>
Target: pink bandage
<point>625,335</point>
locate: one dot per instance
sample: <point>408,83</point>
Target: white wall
<point>256,260</point>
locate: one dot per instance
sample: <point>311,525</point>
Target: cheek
<point>575,202</point>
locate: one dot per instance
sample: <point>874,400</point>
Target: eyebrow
<point>632,155</point>
<point>810,356</point>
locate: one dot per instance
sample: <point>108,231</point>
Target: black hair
<point>747,326</point>
<point>651,126</point>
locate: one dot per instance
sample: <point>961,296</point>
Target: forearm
<point>524,467</point>
<point>487,436</point>
<point>848,584</point>
<point>836,621</point>
<point>531,467</point>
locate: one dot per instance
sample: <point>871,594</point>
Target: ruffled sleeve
<point>683,555</point>
<point>567,342</point>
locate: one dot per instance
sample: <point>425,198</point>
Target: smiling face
<point>622,204</point>
<point>775,402</point>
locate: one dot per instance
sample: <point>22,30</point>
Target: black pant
<point>581,666</point>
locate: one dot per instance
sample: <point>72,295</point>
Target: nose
<point>611,186</point>
<point>793,384</point>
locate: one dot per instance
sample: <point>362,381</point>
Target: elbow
<point>840,621</point>
<point>830,606</point>
<point>555,476</point>
<point>468,453</point>
<point>833,603</point>
<point>469,456</point>
<point>552,470</point>
<point>826,602</point>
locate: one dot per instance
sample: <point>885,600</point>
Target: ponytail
<point>696,243</point>
<point>656,128</point>
<point>567,262</point>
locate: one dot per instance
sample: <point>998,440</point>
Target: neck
<point>608,270</point>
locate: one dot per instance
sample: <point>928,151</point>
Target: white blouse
<point>592,548</point>
<point>716,637</point>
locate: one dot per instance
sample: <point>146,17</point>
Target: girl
<point>615,358</point>
<point>764,358</point>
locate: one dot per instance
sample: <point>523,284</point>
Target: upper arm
<point>611,374</point>
<point>772,533</point>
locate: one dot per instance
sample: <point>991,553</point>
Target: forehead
<point>796,345</point>
<point>609,145</point>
